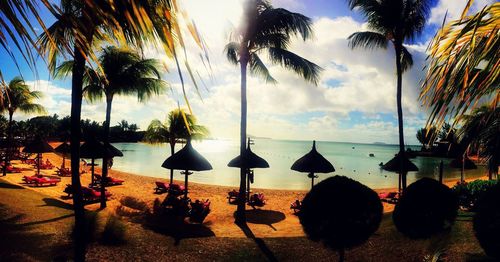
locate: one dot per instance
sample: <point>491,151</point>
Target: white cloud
<point>454,9</point>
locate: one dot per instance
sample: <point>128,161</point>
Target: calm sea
<point>349,159</point>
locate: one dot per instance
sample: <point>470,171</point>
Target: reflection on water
<point>349,159</point>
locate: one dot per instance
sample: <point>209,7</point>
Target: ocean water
<point>349,159</point>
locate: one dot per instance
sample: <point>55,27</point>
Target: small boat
<point>372,155</point>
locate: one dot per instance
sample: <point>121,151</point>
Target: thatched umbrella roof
<point>313,162</point>
<point>251,160</point>
<point>63,149</point>
<point>187,159</point>
<point>394,166</point>
<point>96,149</point>
<point>38,145</point>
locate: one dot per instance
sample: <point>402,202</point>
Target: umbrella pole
<point>248,184</point>
<point>92,171</point>
<point>312,180</point>
<point>186,173</point>
<point>38,166</point>
<point>63,164</point>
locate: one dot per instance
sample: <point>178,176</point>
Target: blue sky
<point>354,101</point>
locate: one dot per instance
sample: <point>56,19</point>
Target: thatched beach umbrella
<point>38,146</point>
<point>187,159</point>
<point>394,166</point>
<point>249,160</point>
<point>64,150</point>
<point>94,149</point>
<point>311,163</point>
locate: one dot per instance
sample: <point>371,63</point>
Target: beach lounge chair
<point>91,195</point>
<point>296,206</point>
<point>110,181</point>
<point>44,181</point>
<point>63,171</point>
<point>161,187</point>
<point>232,196</point>
<point>257,200</point>
<point>12,169</point>
<point>391,197</point>
<point>30,179</point>
<point>176,189</point>
<point>199,211</point>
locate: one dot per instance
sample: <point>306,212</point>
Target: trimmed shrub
<point>114,232</point>
<point>426,207</point>
<point>340,212</point>
<point>487,221</point>
<point>134,203</point>
<point>469,193</point>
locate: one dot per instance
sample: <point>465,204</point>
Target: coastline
<point>220,220</point>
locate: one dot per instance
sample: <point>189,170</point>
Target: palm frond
<point>257,67</point>
<point>308,70</point>
<point>231,51</point>
<point>406,59</point>
<point>279,20</point>
<point>368,40</point>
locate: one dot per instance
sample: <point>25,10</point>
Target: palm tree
<point>396,22</point>
<point>265,28</point>
<point>426,137</point>
<point>178,128</point>
<point>124,72</point>
<point>78,24</point>
<point>18,96</point>
<point>463,65</point>
<point>482,129</point>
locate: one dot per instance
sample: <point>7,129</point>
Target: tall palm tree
<point>18,97</point>
<point>178,128</point>
<point>78,24</point>
<point>464,65</point>
<point>124,72</point>
<point>482,129</point>
<point>394,21</point>
<point>266,29</point>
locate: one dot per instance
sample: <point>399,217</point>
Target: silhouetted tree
<point>426,207</point>
<point>487,222</point>
<point>340,212</point>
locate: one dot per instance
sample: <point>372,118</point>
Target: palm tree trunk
<point>341,255</point>
<point>109,102</point>
<point>9,141</point>
<point>399,71</point>
<point>240,211</point>
<point>172,150</point>
<point>76,110</point>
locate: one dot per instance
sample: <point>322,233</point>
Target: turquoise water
<point>144,159</point>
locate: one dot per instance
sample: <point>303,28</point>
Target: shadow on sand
<point>56,203</point>
<point>20,243</point>
<point>259,216</point>
<point>9,186</point>
<point>180,230</point>
<point>266,217</point>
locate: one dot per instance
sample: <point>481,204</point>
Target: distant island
<point>379,143</point>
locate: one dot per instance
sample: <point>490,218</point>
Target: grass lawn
<point>36,228</point>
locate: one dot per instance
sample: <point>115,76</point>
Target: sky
<point>355,100</point>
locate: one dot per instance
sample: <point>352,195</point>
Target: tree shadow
<point>10,186</point>
<point>56,203</point>
<point>266,217</point>
<point>176,228</point>
<point>19,243</point>
<point>258,241</point>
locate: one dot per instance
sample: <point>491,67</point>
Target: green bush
<point>340,212</point>
<point>469,193</point>
<point>114,232</point>
<point>426,207</point>
<point>134,203</point>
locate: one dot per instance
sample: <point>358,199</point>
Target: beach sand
<point>280,222</point>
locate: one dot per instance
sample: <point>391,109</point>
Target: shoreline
<point>220,220</point>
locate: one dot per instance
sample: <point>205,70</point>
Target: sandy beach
<point>281,220</point>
